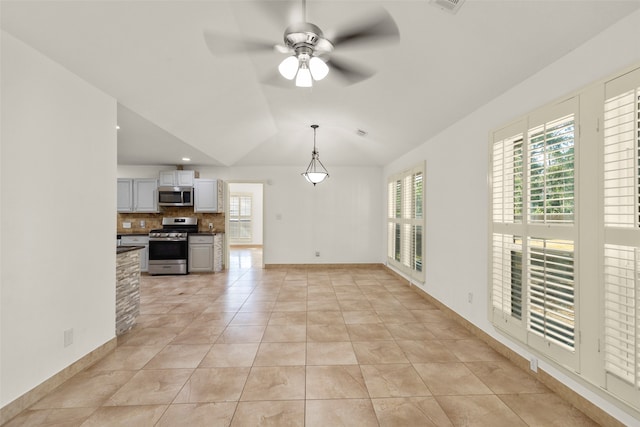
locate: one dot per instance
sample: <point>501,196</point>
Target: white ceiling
<point>178,100</point>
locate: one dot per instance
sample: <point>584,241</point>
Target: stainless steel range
<point>169,246</point>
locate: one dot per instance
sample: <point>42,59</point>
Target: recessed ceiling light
<point>186,159</point>
<point>117,127</point>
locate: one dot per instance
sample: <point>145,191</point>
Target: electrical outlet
<point>470,297</point>
<point>211,226</point>
<point>317,253</point>
<point>533,364</point>
<point>68,337</point>
<point>126,225</point>
<point>143,224</point>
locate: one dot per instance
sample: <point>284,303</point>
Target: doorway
<point>245,225</point>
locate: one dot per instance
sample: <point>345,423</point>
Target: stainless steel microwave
<point>175,196</point>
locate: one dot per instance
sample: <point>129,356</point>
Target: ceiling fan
<point>310,52</point>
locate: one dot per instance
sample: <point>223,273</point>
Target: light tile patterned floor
<point>297,347</point>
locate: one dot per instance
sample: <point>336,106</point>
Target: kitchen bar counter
<point>127,287</point>
<point>123,249</point>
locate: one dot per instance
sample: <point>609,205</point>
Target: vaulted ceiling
<point>176,99</point>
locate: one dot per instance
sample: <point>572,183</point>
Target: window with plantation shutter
<point>533,287</point>
<point>621,253</point>
<point>240,218</point>
<point>405,222</point>
<point>564,258</point>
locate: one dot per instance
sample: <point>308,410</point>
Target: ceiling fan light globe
<point>289,67</point>
<point>319,69</point>
<point>303,79</point>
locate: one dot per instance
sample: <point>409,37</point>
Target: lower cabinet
<point>200,253</point>
<point>138,240</point>
<point>205,252</point>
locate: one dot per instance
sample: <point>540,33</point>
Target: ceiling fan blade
<point>225,44</point>
<point>380,26</point>
<point>275,79</point>
<point>348,71</point>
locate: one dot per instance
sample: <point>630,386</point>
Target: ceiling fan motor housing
<point>307,38</point>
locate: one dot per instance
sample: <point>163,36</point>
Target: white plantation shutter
<point>621,254</point>
<point>620,159</point>
<point>552,291</point>
<point>551,171</point>
<point>621,317</point>
<point>507,276</point>
<point>405,222</point>
<point>507,180</point>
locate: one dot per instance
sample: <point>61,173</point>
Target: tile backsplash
<point>154,220</point>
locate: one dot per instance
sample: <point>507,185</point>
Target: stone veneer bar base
<point>12,409</point>
<point>127,290</point>
<point>586,407</point>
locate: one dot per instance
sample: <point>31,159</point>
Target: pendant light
<point>316,172</point>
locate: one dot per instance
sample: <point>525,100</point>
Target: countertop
<point>205,233</point>
<point>123,249</point>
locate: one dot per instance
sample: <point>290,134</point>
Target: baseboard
<point>23,402</point>
<point>585,406</point>
<point>376,266</point>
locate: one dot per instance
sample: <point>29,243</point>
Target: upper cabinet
<point>177,178</point>
<point>125,195</point>
<point>145,195</point>
<point>137,195</point>
<point>208,195</point>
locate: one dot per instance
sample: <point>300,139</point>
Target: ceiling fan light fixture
<point>303,79</point>
<point>289,67</point>
<point>319,69</point>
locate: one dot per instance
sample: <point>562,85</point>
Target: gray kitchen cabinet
<point>138,240</point>
<point>145,195</point>
<point>125,195</point>
<point>137,195</point>
<point>201,253</point>
<point>177,178</point>
<point>208,195</point>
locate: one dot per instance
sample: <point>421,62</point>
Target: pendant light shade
<point>316,172</point>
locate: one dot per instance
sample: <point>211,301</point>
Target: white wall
<point>456,190</point>
<point>256,208</point>
<point>58,234</point>
<point>340,217</point>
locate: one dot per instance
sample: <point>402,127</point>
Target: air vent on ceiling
<point>452,6</point>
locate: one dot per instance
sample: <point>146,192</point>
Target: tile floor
<point>296,347</point>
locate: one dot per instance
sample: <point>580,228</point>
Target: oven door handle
<point>167,239</point>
